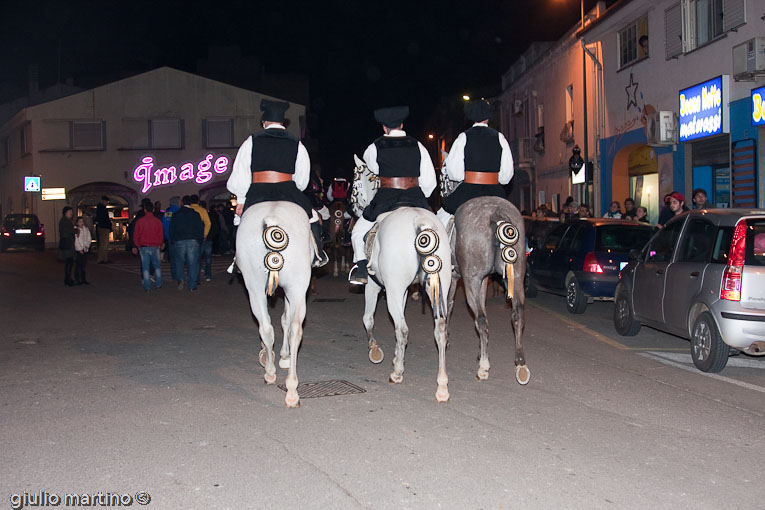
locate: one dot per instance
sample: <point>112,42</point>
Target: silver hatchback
<point>701,277</point>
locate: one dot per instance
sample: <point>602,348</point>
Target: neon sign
<point>758,106</point>
<point>167,175</point>
<point>703,109</point>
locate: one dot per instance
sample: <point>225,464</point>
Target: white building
<point>158,134</point>
<point>642,58</point>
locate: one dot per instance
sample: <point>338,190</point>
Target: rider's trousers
<point>357,238</point>
<point>444,217</point>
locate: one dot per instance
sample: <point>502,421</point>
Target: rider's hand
<point>239,209</point>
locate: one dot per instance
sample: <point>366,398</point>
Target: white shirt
<point>241,176</point>
<point>82,240</point>
<point>455,161</point>
<point>427,180</point>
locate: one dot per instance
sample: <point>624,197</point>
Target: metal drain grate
<point>326,389</point>
<point>329,300</point>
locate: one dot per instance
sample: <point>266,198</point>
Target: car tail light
<point>591,264</point>
<point>6,233</point>
<point>39,234</point>
<point>730,289</point>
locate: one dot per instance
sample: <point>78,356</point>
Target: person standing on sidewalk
<point>81,246</point>
<point>148,239</point>
<point>202,212</point>
<point>66,235</point>
<point>103,228</point>
<point>166,217</point>
<point>187,233</point>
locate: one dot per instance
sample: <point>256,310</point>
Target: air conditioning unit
<point>517,107</point>
<point>749,59</point>
<point>661,128</point>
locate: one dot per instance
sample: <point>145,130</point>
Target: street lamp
<point>466,97</point>
<point>431,136</point>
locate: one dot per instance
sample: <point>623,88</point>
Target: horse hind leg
<point>298,310</point>
<point>475,291</point>
<point>259,307</point>
<point>371,293</point>
<point>396,310</point>
<point>522,372</point>
<point>284,353</point>
<point>442,393</point>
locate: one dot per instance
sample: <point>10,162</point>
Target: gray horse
<point>489,238</point>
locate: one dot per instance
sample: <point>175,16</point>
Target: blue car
<point>581,259</point>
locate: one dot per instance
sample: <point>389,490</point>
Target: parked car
<point>701,277</point>
<point>581,259</point>
<point>22,229</point>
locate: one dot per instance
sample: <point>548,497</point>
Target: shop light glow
<point>168,175</point>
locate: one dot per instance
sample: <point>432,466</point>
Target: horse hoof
<point>284,363</point>
<point>395,379</point>
<point>522,374</point>
<point>334,274</point>
<point>262,357</point>
<point>442,395</point>
<point>482,375</point>
<point>270,378</point>
<point>292,403</point>
<point>376,355</point>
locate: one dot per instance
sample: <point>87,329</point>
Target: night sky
<point>358,55</point>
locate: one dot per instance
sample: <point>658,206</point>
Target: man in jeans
<point>187,234</point>
<point>103,228</point>
<point>148,239</point>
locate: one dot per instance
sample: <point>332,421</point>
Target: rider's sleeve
<point>427,173</point>
<point>506,162</point>
<point>302,168</point>
<point>241,176</point>
<point>370,158</point>
<point>455,161</point>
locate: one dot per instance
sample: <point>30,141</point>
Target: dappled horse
<point>409,246</point>
<point>274,249</point>
<point>488,238</point>
<point>340,250</point>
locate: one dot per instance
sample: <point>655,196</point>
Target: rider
<point>273,165</point>
<point>406,175</point>
<point>480,157</point>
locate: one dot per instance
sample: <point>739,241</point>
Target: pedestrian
<point>406,175</point>
<point>166,217</point>
<point>629,209</point>
<point>187,234</point>
<point>224,230</point>
<point>207,245</point>
<point>666,213</point>
<point>149,238</point>
<point>584,211</point>
<point>82,242</point>
<point>66,233</point>
<point>614,211</point>
<point>700,199</point>
<point>677,203</point>
<point>103,229</point>
<point>158,212</point>
<point>131,227</point>
<point>641,215</point>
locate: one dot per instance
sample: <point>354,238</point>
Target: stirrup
<point>320,258</point>
<point>355,279</point>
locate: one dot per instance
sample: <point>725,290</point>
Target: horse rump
<point>426,243</point>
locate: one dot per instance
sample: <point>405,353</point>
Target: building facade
<point>155,135</point>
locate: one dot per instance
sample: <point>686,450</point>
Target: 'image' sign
<point>704,109</point>
<point>758,106</point>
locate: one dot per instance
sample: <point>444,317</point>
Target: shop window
<point>87,135</point>
<point>166,133</point>
<point>633,42</point>
<point>698,22</point>
<point>218,133</point>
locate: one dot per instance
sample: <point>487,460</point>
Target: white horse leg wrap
<point>357,238</point>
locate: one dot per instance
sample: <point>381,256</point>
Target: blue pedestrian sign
<point>31,184</point>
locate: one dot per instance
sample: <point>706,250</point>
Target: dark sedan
<point>22,230</point>
<point>581,259</point>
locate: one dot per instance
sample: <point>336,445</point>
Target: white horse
<point>410,246</point>
<point>273,248</point>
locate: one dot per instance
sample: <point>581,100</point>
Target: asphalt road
<point>105,388</point>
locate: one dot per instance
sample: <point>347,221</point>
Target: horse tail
<point>507,236</point>
<point>276,240</point>
<point>426,243</point>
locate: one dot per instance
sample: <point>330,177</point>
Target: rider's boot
<point>358,274</point>
<point>320,256</point>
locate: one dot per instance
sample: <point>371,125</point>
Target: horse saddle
<point>369,242</point>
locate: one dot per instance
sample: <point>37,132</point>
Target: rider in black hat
<point>273,165</point>
<point>480,157</point>
<point>406,175</point>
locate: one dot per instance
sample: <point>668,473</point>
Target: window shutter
<point>673,31</point>
<point>87,135</point>
<point>734,14</point>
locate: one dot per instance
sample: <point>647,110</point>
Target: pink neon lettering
<point>187,172</point>
<point>203,170</point>
<point>143,173</point>
<point>221,165</point>
<point>164,176</point>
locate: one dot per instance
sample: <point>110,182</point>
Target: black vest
<point>274,149</point>
<point>483,153</point>
<point>398,156</point>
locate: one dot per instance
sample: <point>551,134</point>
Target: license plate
<point>23,230</point>
<point>622,265</point>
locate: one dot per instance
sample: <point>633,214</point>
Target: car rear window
<point>621,238</point>
<point>755,242</point>
<point>21,221</point>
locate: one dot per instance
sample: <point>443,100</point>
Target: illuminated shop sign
<point>758,106</point>
<point>704,109</point>
<point>53,194</point>
<point>151,177</point>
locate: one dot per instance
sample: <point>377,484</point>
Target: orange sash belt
<point>269,176</point>
<point>482,177</point>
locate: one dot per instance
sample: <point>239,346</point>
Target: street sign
<point>31,184</point>
<point>53,194</point>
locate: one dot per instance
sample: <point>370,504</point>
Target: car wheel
<point>529,286</point>
<point>709,352</point>
<point>624,321</point>
<point>576,301</point>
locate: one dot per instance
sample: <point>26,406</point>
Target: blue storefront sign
<point>758,106</point>
<point>704,109</point>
